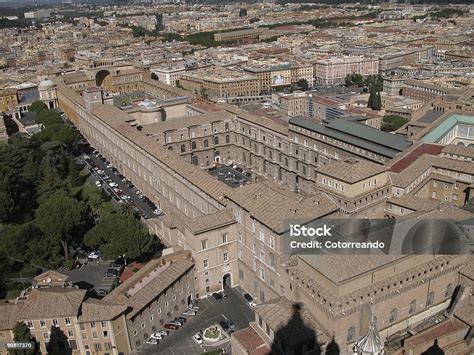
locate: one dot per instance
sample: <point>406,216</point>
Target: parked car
<point>113,184</point>
<point>157,211</point>
<point>227,325</point>
<point>98,184</point>
<point>249,300</point>
<point>194,308</point>
<point>163,332</point>
<point>197,338</point>
<point>152,341</point>
<point>172,326</point>
<point>156,336</point>
<point>102,292</point>
<point>118,263</point>
<point>217,296</point>
<point>94,255</point>
<point>189,312</point>
<point>112,273</point>
<point>181,319</point>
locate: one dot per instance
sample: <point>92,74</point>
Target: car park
<point>197,338</point>
<point>249,300</point>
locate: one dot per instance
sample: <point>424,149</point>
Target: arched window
<point>227,139</point>
<point>227,127</point>
<point>270,154</point>
<point>286,161</point>
<point>206,143</point>
<point>183,148</point>
<point>193,145</point>
<point>216,140</point>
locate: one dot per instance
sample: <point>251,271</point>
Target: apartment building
<point>333,70</point>
<point>221,83</point>
<point>168,75</point>
<point>251,33</point>
<point>8,99</point>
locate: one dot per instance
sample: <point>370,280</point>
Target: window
<point>70,333</point>
<point>350,334</point>
<point>393,315</point>
<point>94,335</point>
<point>67,321</point>
<point>205,263</point>
<point>97,347</point>
<point>412,307</point>
<point>29,324</point>
<point>227,139</point>
<point>183,148</point>
<point>204,244</point>
<point>216,140</point>
<point>143,325</point>
<point>261,235</point>
<point>272,260</point>
<point>103,324</point>
<point>55,323</point>
<point>226,257</point>
<point>42,323</point>
<point>224,238</point>
<point>430,299</point>
<point>434,194</point>
<point>92,324</point>
<point>206,143</point>
<point>262,273</point>
<point>193,145</point>
<point>105,333</point>
<point>272,242</point>
<point>449,290</point>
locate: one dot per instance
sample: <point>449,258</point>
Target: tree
<point>74,174</point>
<point>38,107</point>
<point>303,84</point>
<point>59,217</point>
<point>348,80</point>
<point>393,122</point>
<point>119,233</point>
<point>375,100</point>
<point>22,334</point>
<point>358,79</point>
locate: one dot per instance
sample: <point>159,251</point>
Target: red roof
<point>129,271</point>
<point>425,148</point>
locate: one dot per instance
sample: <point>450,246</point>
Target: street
<point>212,312</point>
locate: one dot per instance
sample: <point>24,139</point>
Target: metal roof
<point>357,134</point>
<point>444,127</point>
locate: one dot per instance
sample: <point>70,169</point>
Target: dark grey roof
<point>28,97</point>
<point>28,118</point>
<point>430,116</point>
<point>357,134</point>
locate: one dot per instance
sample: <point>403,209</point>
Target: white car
<point>197,338</point>
<point>98,184</point>
<point>189,312</point>
<point>157,336</point>
<point>113,184</point>
<point>94,255</point>
<point>157,211</point>
<point>194,308</point>
<point>152,341</point>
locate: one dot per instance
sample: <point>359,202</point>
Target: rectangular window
<point>226,257</point>
<point>224,238</point>
<point>205,263</point>
<point>42,323</point>
<point>68,321</point>
<point>204,244</point>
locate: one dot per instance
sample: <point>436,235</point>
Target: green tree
<point>21,333</point>
<point>117,234</point>
<point>348,80</point>
<point>393,122</point>
<point>74,174</point>
<point>48,118</point>
<point>59,217</point>
<point>375,101</point>
<point>357,79</point>
<point>38,107</point>
<point>303,84</point>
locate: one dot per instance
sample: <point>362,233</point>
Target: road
<point>212,312</point>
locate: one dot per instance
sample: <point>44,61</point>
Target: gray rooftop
<point>430,116</point>
<point>357,134</point>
